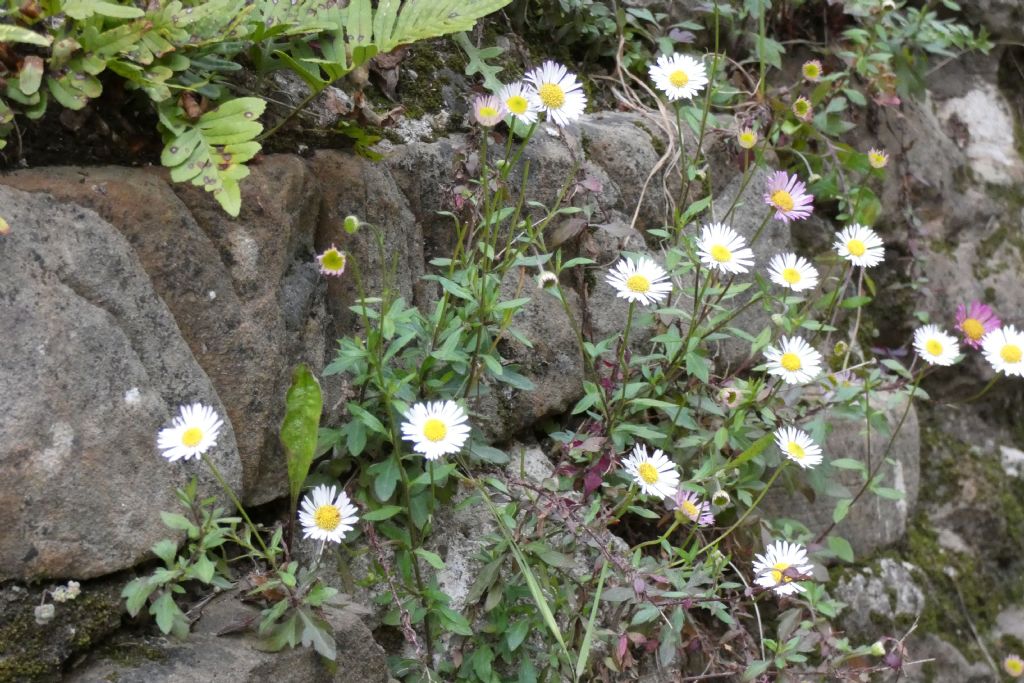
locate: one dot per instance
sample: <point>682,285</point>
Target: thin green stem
<point>241,510</point>
<point>746,512</point>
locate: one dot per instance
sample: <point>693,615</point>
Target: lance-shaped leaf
<point>299,429</point>
<point>19,34</point>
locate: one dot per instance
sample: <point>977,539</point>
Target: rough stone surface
<point>97,367</point>
<point>881,599</point>
<point>235,658</point>
<point>1002,18</point>
<point>948,664</point>
<point>981,120</point>
<point>244,292</point>
<point>874,522</point>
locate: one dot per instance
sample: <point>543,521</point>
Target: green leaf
<point>856,301</point>
<point>317,632</point>
<point>487,453</point>
<point>380,514</point>
<point>517,633</point>
<point>286,633</point>
<point>399,23</point>
<point>752,452</point>
<point>83,9</point>
<point>433,559</point>
<point>842,509</point>
<point>18,34</point>
<point>303,406</point>
<point>136,592</point>
<point>386,477</point>
<point>173,520</point>
<point>169,616</point>
<point>204,569</point>
<point>166,550</point>
<point>841,547</point>
<point>588,637</point>
<point>211,153</point>
<point>366,418</point>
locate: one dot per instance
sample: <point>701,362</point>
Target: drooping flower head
<point>795,361</point>
<point>642,281</point>
<point>558,92</point>
<point>546,279</point>
<point>746,138</point>
<point>192,433</point>
<point>860,245</point>
<point>693,507</point>
<point>1013,665</point>
<point>788,195</point>
<point>1004,349</point>
<point>802,109</point>
<point>521,102</point>
<point>812,70</point>
<point>488,110</point>
<point>798,446</point>
<point>878,158</point>
<point>655,474</point>
<point>792,271</point>
<point>678,76</point>
<point>975,321</point>
<point>782,565</point>
<point>721,248</point>
<point>935,346</point>
<point>332,261</point>
<point>721,498</point>
<point>436,428</point>
<point>327,514</point>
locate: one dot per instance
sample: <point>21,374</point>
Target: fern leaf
<point>211,153</point>
<point>421,19</point>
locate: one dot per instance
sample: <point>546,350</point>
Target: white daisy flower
<point>191,434</point>
<point>520,101</point>
<point>796,362</point>
<point>678,76</point>
<point>643,280</point>
<point>1004,349</point>
<point>558,92</point>
<point>721,248</point>
<point>798,446</point>
<point>781,566</point>
<point>792,271</point>
<point>332,261</point>
<point>860,245</point>
<point>656,475</point>
<point>935,346</point>
<point>327,514</point>
<point>436,429</point>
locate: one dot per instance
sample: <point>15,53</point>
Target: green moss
<point>422,95</point>
<point>30,652</point>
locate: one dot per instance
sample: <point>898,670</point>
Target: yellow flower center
<point>790,361</point>
<point>777,573</point>
<point>812,70</point>
<point>327,517</point>
<point>191,437</point>
<point>796,450</point>
<point>648,472</point>
<point>747,139</point>
<point>1014,666</point>
<point>721,254</point>
<point>933,347</point>
<point>1011,353</point>
<point>856,247</point>
<point>434,429</point>
<point>801,107</point>
<point>517,104</point>
<point>783,200</point>
<point>877,160</point>
<point>690,509</point>
<point>487,112</point>
<point>791,275</point>
<point>973,328</point>
<point>678,78</point>
<point>638,283</point>
<point>333,260</point>
<point>551,95</point>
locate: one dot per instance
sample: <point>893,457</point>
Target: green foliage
<point>181,56</point>
<point>303,406</point>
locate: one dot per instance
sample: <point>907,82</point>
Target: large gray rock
<point>873,522</point>
<point>881,600</point>
<point>244,292</point>
<point>236,659</point>
<point>1003,18</point>
<point>93,365</point>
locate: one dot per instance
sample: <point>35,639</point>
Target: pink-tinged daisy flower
<point>332,261</point>
<point>488,110</point>
<point>1013,665</point>
<point>788,195</point>
<point>975,321</point>
<point>781,566</point>
<point>696,510</point>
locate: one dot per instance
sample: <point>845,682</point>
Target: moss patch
<point>30,652</point>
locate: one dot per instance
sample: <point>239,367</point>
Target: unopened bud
<point>351,225</point>
<point>878,649</point>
